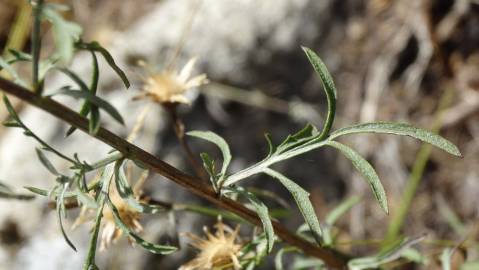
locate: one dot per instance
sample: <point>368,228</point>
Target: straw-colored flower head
<point>170,86</point>
<point>110,232</point>
<point>217,250</point>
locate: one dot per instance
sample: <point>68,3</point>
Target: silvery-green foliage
<point>74,184</point>
<point>310,138</point>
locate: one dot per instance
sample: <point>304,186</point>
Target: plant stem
<point>102,163</point>
<point>333,258</point>
<point>18,35</point>
<point>179,128</point>
<point>264,164</point>
<point>36,44</point>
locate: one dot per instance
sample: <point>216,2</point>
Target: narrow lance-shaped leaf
<point>390,255</point>
<point>85,199</point>
<point>46,162</point>
<point>94,124</point>
<point>19,56</point>
<point>271,147</point>
<point>400,129</point>
<point>263,213</point>
<point>334,215</point>
<point>5,65</point>
<point>46,193</point>
<point>127,194</point>
<point>10,109</point>
<point>65,33</point>
<point>329,88</point>
<point>446,258</point>
<point>341,209</point>
<point>209,165</point>
<point>107,107</point>
<point>72,75</point>
<point>278,259</point>
<point>308,133</point>
<point>95,46</point>
<point>301,197</point>
<point>220,142</point>
<point>61,213</point>
<point>366,170</point>
<point>153,248</point>
<point>7,193</point>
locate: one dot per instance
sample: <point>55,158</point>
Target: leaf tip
<point>384,206</point>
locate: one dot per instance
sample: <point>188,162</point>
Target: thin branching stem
<point>179,128</point>
<point>334,259</point>
<point>36,44</point>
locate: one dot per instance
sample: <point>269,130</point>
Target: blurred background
<point>414,61</point>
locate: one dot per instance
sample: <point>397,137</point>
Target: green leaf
<point>86,200</point>
<point>95,46</point>
<point>19,55</point>
<point>308,264</point>
<point>301,197</point>
<point>10,109</point>
<point>263,213</point>
<point>81,84</point>
<point>308,133</point>
<point>413,255</point>
<point>107,107</point>
<point>341,209</point>
<point>7,193</point>
<point>384,257</point>
<point>329,88</point>
<point>61,213</point>
<point>94,123</point>
<point>153,248</point>
<point>209,165</point>
<point>399,129</point>
<point>11,123</point>
<point>220,142</point>
<point>16,78</point>
<point>126,193</point>
<point>334,215</point>
<point>271,147</point>
<point>46,193</point>
<point>446,257</point>
<point>46,162</point>
<point>65,33</point>
<point>366,170</point>
<point>278,259</point>
<point>39,191</point>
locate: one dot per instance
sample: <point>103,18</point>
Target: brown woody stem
<point>332,258</point>
<point>179,128</point>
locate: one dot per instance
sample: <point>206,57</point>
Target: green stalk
<point>36,44</point>
<point>18,35</point>
<point>399,216</point>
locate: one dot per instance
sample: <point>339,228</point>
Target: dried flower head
<point>217,250</point>
<point>110,232</point>
<point>170,86</point>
